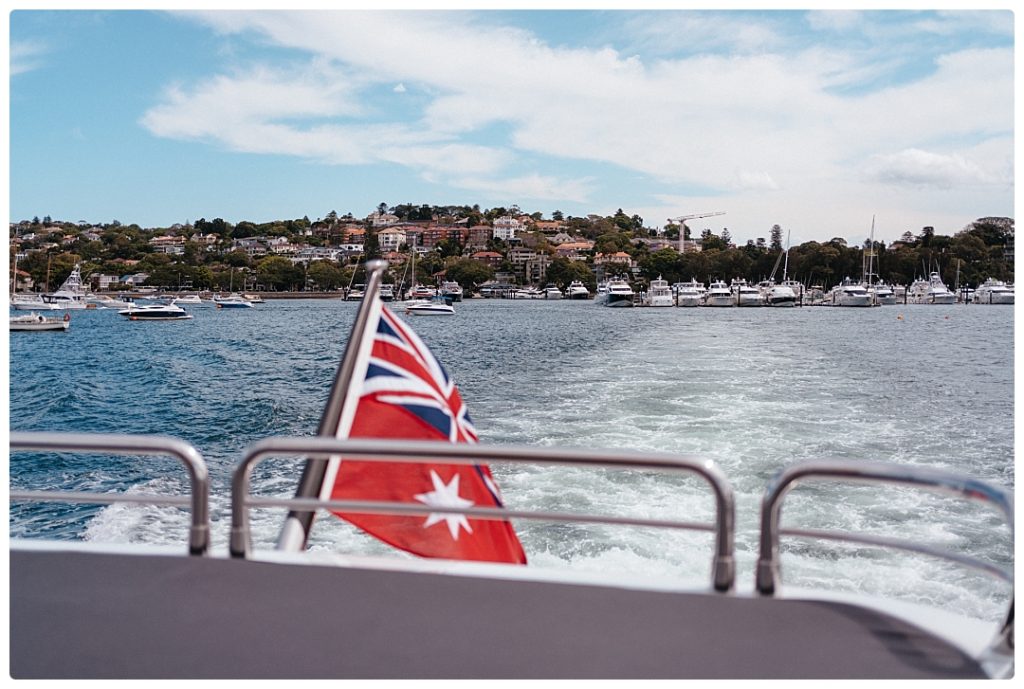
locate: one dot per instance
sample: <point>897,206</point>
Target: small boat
<point>528,293</point>
<point>422,292</point>
<point>189,300</point>
<point>156,312</point>
<point>601,297</point>
<point>659,293</point>
<point>577,290</point>
<point>689,293</point>
<point>102,301</point>
<point>253,298</point>
<point>438,306</point>
<point>233,301</point>
<point>387,292</point>
<point>719,294</point>
<point>355,292</point>
<point>620,294</point>
<point>33,321</point>
<point>993,291</point>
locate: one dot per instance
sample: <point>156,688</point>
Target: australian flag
<point>401,391</point>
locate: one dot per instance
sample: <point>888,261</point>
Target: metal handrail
<point>723,563</point>
<point>768,574</point>
<point>199,529</point>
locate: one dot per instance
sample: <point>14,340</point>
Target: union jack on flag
<point>399,390</point>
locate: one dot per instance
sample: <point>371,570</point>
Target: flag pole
<point>297,525</point>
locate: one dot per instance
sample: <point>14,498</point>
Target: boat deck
<point>80,614</point>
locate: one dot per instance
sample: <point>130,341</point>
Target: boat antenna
<point>298,524</point>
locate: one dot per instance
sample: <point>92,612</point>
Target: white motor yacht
<point>883,294</point>
<point>233,301</point>
<point>659,294</point>
<point>155,312</point>
<point>850,293</point>
<point>438,306</point>
<point>70,294</point>
<point>746,294</point>
<point>551,291</point>
<point>930,291</point>
<point>577,290</point>
<point>690,293</point>
<point>778,295</point>
<point>993,291</point>
<point>619,293</point>
<point>719,294</point>
<point>601,296</point>
<point>450,290</point>
<point>31,301</point>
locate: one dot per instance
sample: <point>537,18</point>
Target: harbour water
<point>752,389</point>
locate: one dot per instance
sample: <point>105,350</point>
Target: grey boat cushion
<point>88,615</point>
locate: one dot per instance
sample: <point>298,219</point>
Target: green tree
<point>278,273</point>
<point>469,273</point>
<point>326,275</point>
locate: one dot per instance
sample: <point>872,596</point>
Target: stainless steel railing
<point>198,500</point>
<point>768,574</point>
<point>723,563</point>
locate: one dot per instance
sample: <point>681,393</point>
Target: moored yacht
<point>70,294</point>
<point>619,293</point>
<point>849,293</point>
<point>930,291</point>
<point>551,291</point>
<point>232,301</point>
<point>993,291</point>
<point>746,294</point>
<point>689,293</point>
<point>451,291</point>
<point>719,294</point>
<point>777,295</point>
<point>883,294</point>
<point>577,290</point>
<point>659,293</point>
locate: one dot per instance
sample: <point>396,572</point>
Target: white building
<point>391,238</point>
<point>506,227</point>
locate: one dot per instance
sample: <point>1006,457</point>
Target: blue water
<point>752,389</point>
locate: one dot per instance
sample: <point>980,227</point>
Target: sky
<point>822,122</point>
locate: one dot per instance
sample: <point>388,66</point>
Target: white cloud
<point>922,168</point>
<point>764,121</point>
<point>26,56</point>
<point>400,88</point>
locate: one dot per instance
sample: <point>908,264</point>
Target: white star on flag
<point>446,496</point>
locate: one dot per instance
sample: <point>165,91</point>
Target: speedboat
<point>552,292</point>
<point>850,293</point>
<point>619,293</point>
<point>746,294</point>
<point>993,291</point>
<point>387,292</point>
<point>659,293</point>
<point>528,293</point>
<point>422,292</point>
<point>33,321</point>
<point>438,306</point>
<point>451,291</point>
<point>156,312</point>
<point>355,292</point>
<point>233,301</point>
<point>253,298</point>
<point>689,293</point>
<point>102,301</point>
<point>719,294</point>
<point>577,290</point>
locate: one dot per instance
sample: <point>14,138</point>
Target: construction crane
<point>681,220</point>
